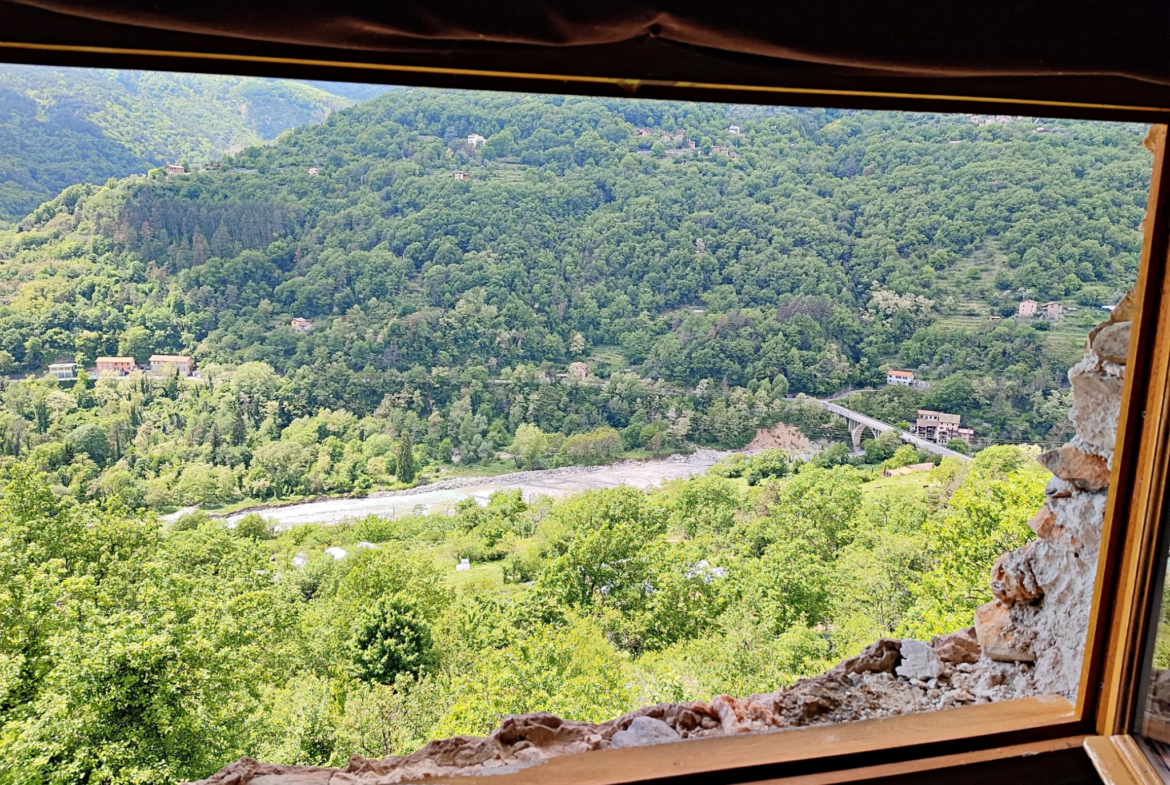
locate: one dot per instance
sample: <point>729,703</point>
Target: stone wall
<point>1028,641</point>
<point>1044,590</point>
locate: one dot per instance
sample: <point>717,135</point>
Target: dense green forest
<point>138,653</point>
<point>805,252</point>
<point>63,126</point>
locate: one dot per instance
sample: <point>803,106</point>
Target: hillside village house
<point>314,171</point>
<point>174,169</point>
<point>475,140</point>
<point>940,427</point>
<point>1027,309</point>
<point>462,176</point>
<point>300,323</point>
<point>161,364</point>
<point>734,130</point>
<point>64,372</point>
<point>119,366</point>
<point>904,378</point>
<point>1052,311</point>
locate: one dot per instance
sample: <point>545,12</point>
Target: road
<point>880,427</point>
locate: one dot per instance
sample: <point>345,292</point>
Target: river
<point>442,496</point>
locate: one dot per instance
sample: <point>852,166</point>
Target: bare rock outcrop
<point>1029,640</point>
<point>1044,590</point>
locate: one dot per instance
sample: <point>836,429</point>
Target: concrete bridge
<point>858,423</point>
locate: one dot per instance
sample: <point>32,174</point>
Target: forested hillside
<point>62,126</point>
<point>788,251</point>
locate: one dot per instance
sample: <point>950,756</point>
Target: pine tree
<point>405,456</point>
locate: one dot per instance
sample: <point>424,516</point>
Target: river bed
<point>442,496</point>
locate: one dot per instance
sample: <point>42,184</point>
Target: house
<point>1052,311</point>
<point>940,427</point>
<point>299,323</point>
<point>314,171</point>
<point>462,176</point>
<point>174,169</point>
<point>118,366</point>
<point>475,140</point>
<point>65,372</point>
<point>734,130</point>
<point>911,469</point>
<point>904,378</point>
<point>579,370</point>
<point>690,144</point>
<point>162,364</point>
<point>642,132</point>
<point>1027,309</point>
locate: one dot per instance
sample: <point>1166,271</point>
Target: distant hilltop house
<point>298,323</point>
<point>65,372</point>
<point>940,427</point>
<point>175,169</point>
<point>1052,311</point>
<point>734,130</point>
<point>911,469</point>
<point>161,364</point>
<point>462,176</point>
<point>642,132</point>
<point>579,370</point>
<point>118,366</point>
<point>314,171</point>
<point>903,378</point>
<point>475,140</point>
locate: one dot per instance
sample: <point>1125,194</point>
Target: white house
<point>475,140</point>
<point>64,372</point>
<point>903,378</point>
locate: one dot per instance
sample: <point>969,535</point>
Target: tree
<point>987,516</point>
<point>136,342</point>
<point>529,446</point>
<point>91,440</point>
<point>883,447</point>
<point>254,527</point>
<point>903,456</point>
<point>285,464</point>
<point>404,460</point>
<point>954,394</point>
<point>389,640</point>
<point>959,446</point>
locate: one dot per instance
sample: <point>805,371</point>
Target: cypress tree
<point>405,456</point>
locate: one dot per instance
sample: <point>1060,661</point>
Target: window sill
<point>1120,761</point>
<point>828,753</point>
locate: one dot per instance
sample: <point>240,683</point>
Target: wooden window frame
<point>1106,707</point>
